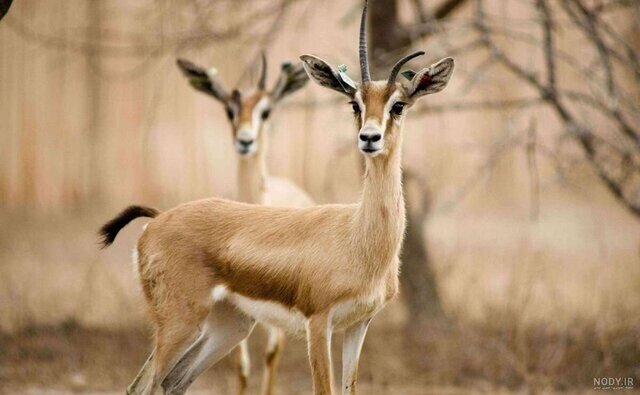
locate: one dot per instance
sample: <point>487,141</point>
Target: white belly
<point>289,320</point>
<point>292,321</point>
<point>350,311</point>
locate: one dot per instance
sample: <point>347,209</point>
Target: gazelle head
<point>379,106</point>
<point>248,112</point>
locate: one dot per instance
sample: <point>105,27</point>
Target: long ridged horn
<point>263,74</point>
<point>364,59</point>
<point>399,64</point>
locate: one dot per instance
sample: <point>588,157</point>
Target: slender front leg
<point>351,347</point>
<point>319,342</point>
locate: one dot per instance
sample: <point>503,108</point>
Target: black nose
<point>245,143</point>
<point>370,138</point>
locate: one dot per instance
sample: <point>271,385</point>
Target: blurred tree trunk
<point>419,287</point>
<point>93,174</point>
<point>386,34</point>
<point>389,39</point>
<point>418,282</point>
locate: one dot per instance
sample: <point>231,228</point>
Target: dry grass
<point>441,360</point>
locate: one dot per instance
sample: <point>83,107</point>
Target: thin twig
<point>534,176</point>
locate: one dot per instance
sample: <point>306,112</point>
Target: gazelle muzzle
<point>370,140</point>
<point>246,141</point>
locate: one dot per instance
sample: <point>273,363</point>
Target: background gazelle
<point>249,114</point>
<point>211,268</point>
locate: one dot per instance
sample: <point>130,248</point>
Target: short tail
<point>110,230</point>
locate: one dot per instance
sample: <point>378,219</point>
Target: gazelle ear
<point>291,79</point>
<point>325,75</point>
<point>433,79</point>
<point>203,80</point>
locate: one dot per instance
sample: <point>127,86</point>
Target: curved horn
<point>364,60</point>
<point>263,74</point>
<point>398,66</point>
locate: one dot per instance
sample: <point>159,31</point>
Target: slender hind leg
<point>224,329</point>
<point>172,342</point>
<point>143,378</point>
<point>272,359</point>
<point>244,366</point>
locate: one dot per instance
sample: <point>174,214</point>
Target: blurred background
<point>521,266</point>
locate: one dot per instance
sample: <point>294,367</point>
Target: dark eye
<point>397,108</point>
<point>230,114</point>
<point>356,107</point>
<point>266,113</point>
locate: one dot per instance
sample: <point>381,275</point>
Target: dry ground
<point>441,360</point>
<point>71,359</point>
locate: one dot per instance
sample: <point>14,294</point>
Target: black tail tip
<point>110,230</point>
<point>107,236</point>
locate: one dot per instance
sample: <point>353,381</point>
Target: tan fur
<point>254,186</point>
<point>319,343</point>
<point>316,260</point>
<point>308,259</point>
<point>213,267</point>
<point>248,104</point>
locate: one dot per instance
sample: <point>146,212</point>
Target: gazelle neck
<point>252,175</point>
<point>380,219</point>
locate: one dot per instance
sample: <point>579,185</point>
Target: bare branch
<point>547,26</point>
<point>497,105</point>
<point>582,133</point>
<point>532,166</point>
<point>447,8</point>
<point>585,20</point>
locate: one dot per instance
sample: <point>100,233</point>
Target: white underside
<point>274,314</point>
<point>293,321</point>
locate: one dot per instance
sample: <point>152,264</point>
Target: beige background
<point>83,135</point>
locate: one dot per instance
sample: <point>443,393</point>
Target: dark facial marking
<point>230,113</point>
<point>397,108</point>
<point>355,107</point>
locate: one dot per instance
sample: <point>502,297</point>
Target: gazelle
<point>249,114</point>
<point>211,268</point>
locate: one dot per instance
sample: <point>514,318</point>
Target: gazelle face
<point>249,112</point>
<point>379,109</point>
<point>248,116</point>
<point>379,106</point>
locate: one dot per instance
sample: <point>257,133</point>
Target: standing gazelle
<point>249,114</point>
<point>211,268</point>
